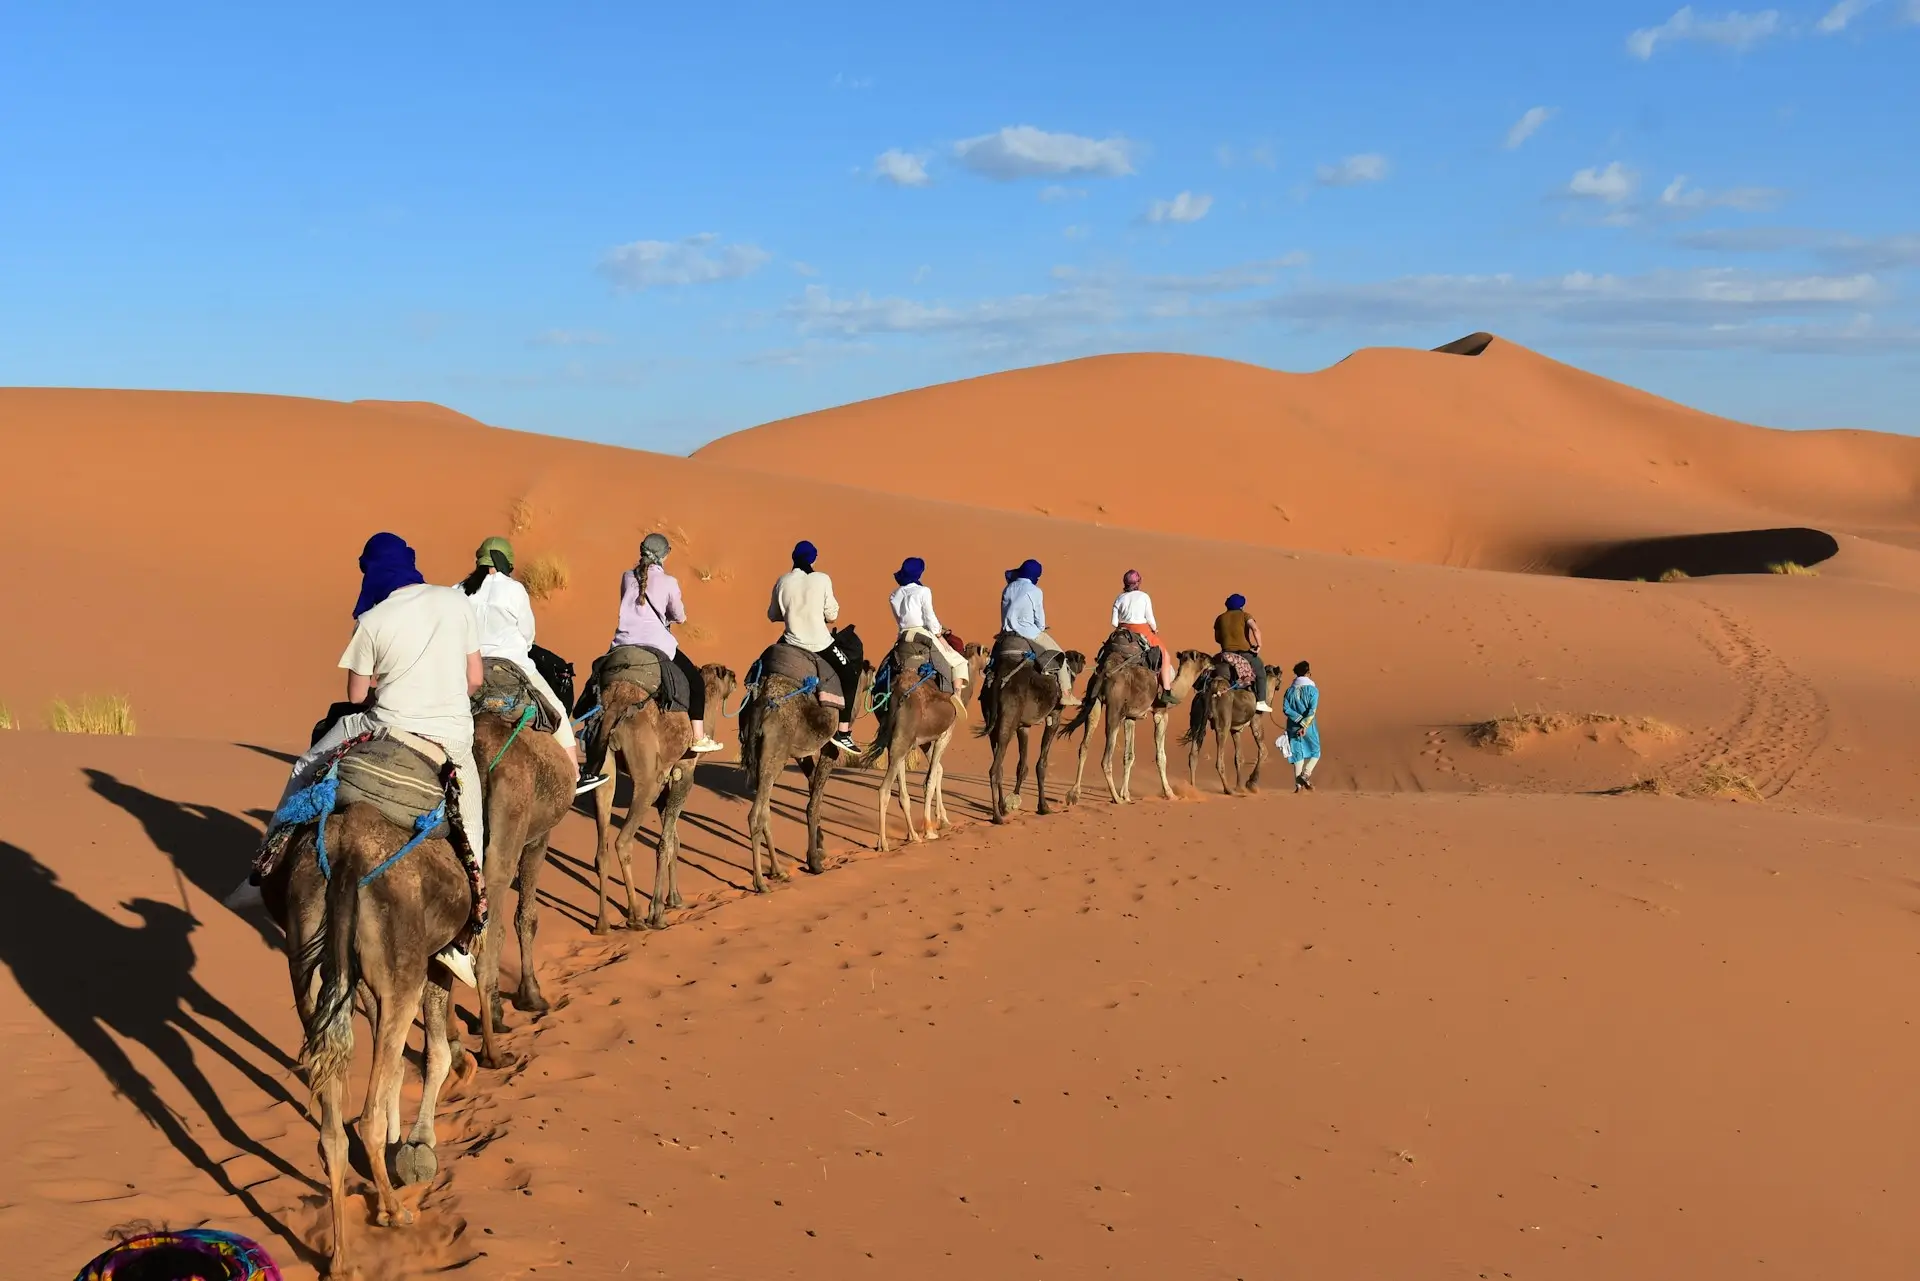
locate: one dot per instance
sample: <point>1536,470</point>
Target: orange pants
<point>1166,655</point>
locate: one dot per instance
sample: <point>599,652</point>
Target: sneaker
<point>704,746</point>
<point>1263,708</point>
<point>844,744</point>
<point>1306,784</point>
<point>459,964</point>
<point>590,783</point>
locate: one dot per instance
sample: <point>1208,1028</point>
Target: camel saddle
<point>648,668</point>
<point>796,664</point>
<point>908,663</point>
<point>1126,648</point>
<point>399,774</point>
<point>1010,649</point>
<point>1237,667</point>
<point>505,691</point>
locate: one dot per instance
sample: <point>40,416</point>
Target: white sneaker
<point>459,963</point>
<point>1263,708</point>
<point>704,746</point>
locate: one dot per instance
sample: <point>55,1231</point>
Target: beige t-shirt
<point>804,602</point>
<point>415,645</point>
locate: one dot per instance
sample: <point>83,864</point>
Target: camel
<point>1020,699</point>
<point>651,746</point>
<point>1122,691</point>
<point>370,946</point>
<point>1227,712</point>
<point>917,716</point>
<point>778,724</point>
<point>528,790</point>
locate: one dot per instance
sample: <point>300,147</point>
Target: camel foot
<point>602,927</point>
<point>529,1001</point>
<point>415,1163</point>
<point>675,902</point>
<point>400,1218</point>
<point>502,1062</point>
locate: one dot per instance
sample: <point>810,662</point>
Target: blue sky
<point>652,225</point>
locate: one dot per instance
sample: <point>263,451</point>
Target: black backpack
<point>556,671</point>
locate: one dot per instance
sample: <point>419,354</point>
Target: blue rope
<point>311,804</point>
<point>810,685</point>
<point>926,673</point>
<point>422,825</point>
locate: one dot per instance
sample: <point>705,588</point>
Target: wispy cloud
<point>697,260</point>
<point>1837,248</point>
<point>1185,207</point>
<point>1260,156</point>
<point>1734,30</point>
<point>1076,231</point>
<point>1840,15</point>
<point>842,80</point>
<point>901,168</point>
<point>1022,151</point>
<point>1248,275</point>
<point>1614,184</point>
<point>1528,125</point>
<point>1354,170</point>
<point>1053,193</point>
<point>569,338</point>
<point>1680,197</point>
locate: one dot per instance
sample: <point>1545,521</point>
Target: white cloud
<point>1022,151</point>
<point>1734,30</point>
<point>1077,231</point>
<point>570,338</point>
<point>697,260</point>
<point>1528,125</point>
<point>1840,15</point>
<point>1259,155</point>
<point>1226,280</point>
<point>1354,170</point>
<point>1913,11</point>
<point>1185,207</point>
<point>1053,193</point>
<point>921,273</point>
<point>1615,184</point>
<point>1849,252</point>
<point>901,168</point>
<point>803,268</point>
<point>1679,196</point>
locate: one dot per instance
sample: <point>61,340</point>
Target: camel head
<point>720,682</point>
<point>1193,665</point>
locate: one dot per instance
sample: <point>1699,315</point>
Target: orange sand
<point>1504,1027</point>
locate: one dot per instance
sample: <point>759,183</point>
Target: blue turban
<point>386,565</point>
<point>804,554</point>
<point>1029,570</point>
<point>910,570</point>
<point>1236,601</point>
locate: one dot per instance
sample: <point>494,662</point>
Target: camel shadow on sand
<point>102,981</point>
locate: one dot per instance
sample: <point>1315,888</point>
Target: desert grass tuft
<point>1504,735</point>
<point>544,575</point>
<point>519,517</point>
<point>1675,576</point>
<point>6,718</point>
<point>1792,568</point>
<point>93,714</point>
<point>1717,780</point>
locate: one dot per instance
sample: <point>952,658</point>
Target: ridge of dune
<point>418,409</point>
<point>1497,461</point>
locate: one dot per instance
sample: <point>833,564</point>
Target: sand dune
<point>1538,1030</point>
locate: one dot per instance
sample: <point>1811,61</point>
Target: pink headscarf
<point>1132,580</point>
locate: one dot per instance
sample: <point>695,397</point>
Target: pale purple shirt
<point>645,622</point>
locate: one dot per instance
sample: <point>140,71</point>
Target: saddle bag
<point>505,691</point>
<point>397,776</point>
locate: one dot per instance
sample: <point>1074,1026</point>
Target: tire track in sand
<point>1782,719</point>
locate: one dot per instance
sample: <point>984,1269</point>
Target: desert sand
<point>1624,992</point>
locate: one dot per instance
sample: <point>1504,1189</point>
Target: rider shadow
<point>210,847</point>
<point>101,981</point>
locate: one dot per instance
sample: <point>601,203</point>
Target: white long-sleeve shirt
<point>913,607</point>
<point>504,613</point>
<point>1133,607</point>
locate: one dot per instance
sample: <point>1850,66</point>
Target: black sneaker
<point>843,743</point>
<point>589,782</point>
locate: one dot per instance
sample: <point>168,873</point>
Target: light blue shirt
<point>1023,610</point>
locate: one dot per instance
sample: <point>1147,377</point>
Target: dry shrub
<point>1792,568</point>
<point>544,575</point>
<point>1505,734</point>
<point>1675,576</point>
<point>6,718</point>
<point>1718,780</point>
<point>519,517</point>
<point>695,632</point>
<point>93,714</point>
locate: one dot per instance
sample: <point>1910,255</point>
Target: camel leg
<point>1047,733</point>
<point>393,1021</point>
<point>1020,765</point>
<point>526,924</point>
<point>886,796</point>
<point>675,803</point>
<point>817,780</point>
<point>936,785</point>
<point>1095,720</point>
<point>415,1161</point>
<point>759,818</point>
<point>1221,733</point>
<point>647,775</point>
<point>1194,746</point>
<point>1259,754</point>
<point>1160,753</point>
<point>504,832</point>
<point>333,1155</point>
<point>665,858</point>
<point>905,778</point>
<point>603,824</point>
<point>995,789</point>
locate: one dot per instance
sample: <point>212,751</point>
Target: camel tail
<point>1081,717</point>
<point>327,1049</point>
<point>1197,718</point>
